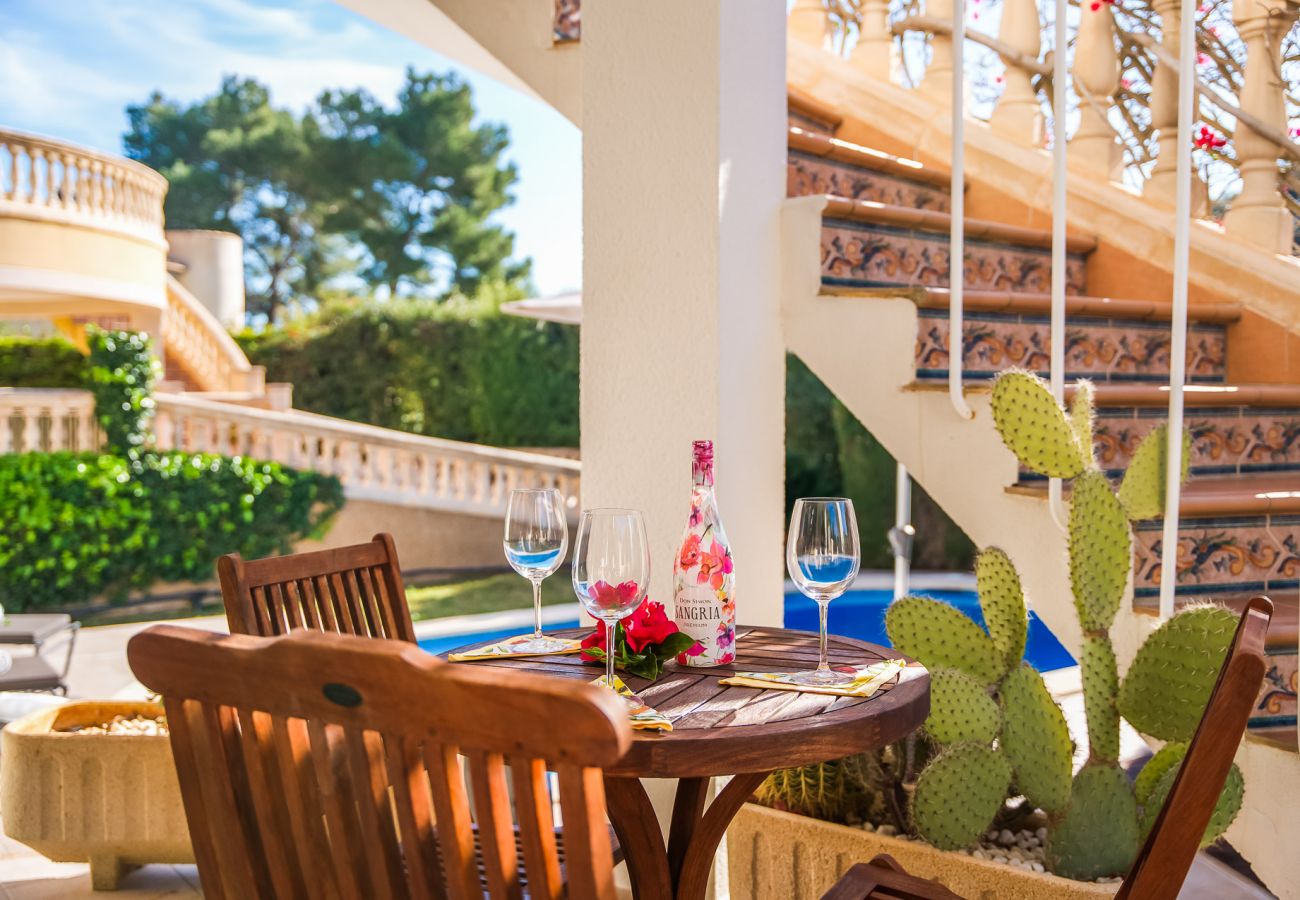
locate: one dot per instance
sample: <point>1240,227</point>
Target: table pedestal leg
<point>681,870</point>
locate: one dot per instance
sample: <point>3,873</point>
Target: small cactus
<point>830,790</point>
<point>959,793</point>
<point>1142,492</point>
<point>1036,740</point>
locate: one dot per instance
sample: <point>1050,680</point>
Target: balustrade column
<point>1164,107</point>
<point>1018,114</point>
<point>810,24</point>
<point>873,54</point>
<point>937,81</point>
<point>1096,79</point>
<point>1258,213</point>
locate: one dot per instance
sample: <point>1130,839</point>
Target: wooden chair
<point>351,590</point>
<point>315,765</point>
<point>1162,863</point>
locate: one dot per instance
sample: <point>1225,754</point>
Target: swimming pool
<point>860,613</point>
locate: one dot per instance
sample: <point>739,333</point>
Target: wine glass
<point>535,540</point>
<point>823,557</point>
<point>611,569</point>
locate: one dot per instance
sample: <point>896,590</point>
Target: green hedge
<point>436,369</point>
<point>121,374</point>
<point>49,362</point>
<point>76,527</point>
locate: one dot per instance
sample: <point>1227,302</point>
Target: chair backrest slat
<point>319,765</point>
<point>348,590</point>
<point>1167,854</point>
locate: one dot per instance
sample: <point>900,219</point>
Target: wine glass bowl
<point>611,569</point>
<point>823,556</point>
<point>536,536</point>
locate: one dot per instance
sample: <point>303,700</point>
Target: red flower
<point>595,640</point>
<point>713,565</point>
<point>649,624</point>
<point>606,594</point>
<point>1208,140</point>
<point>690,552</point>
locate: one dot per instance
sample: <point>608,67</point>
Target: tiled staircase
<point>885,234</point>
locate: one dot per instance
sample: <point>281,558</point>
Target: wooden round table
<point>742,732</point>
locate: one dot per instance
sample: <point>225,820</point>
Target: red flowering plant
<point>643,642</point>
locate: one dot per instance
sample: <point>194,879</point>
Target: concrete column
<point>874,52</point>
<point>1018,115</point>
<point>213,264</point>
<point>683,182</point>
<point>1164,107</point>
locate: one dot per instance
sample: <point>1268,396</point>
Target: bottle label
<point>711,620</point>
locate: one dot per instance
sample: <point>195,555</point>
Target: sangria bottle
<point>704,579</point>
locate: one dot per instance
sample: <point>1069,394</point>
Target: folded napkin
<point>642,717</point>
<point>510,647</point>
<point>866,680</point>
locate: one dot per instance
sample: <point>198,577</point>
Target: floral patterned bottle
<point>703,577</point>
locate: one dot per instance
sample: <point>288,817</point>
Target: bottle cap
<point>703,451</point>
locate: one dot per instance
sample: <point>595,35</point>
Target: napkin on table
<point>866,681</point>
<point>509,647</point>
<point>642,717</point>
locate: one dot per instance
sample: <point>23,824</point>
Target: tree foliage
<point>399,198</point>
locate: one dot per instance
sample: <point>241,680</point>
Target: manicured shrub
<point>48,362</point>
<point>121,376</point>
<point>77,527</point>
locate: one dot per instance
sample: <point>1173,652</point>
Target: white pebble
<point>887,830</point>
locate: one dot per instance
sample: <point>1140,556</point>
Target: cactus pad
<point>1170,756</point>
<point>1100,691</point>
<point>1098,836</point>
<point>1081,417</point>
<point>1034,427</point>
<point>1143,490</point>
<point>1173,673</point>
<point>1003,604</point>
<point>1101,552</point>
<point>1225,810</point>
<point>1036,740</point>
<point>961,709</point>
<point>959,793</point>
<point>942,636</point>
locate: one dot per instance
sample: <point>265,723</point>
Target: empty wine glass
<point>823,557</point>
<point>535,540</point>
<point>611,569</point>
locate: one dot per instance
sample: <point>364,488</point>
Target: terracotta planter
<point>111,800</point>
<point>774,855</point>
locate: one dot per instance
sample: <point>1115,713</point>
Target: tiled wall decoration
<point>568,20</point>
<point>808,174</point>
<point>1218,556</point>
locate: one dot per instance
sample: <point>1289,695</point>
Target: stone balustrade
<point>1259,214</point>
<point>210,356</point>
<point>52,180</point>
<point>47,419</point>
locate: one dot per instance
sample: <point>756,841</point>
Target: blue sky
<point>68,70</point>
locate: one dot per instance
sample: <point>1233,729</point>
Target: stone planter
<point>111,800</point>
<point>773,855</point>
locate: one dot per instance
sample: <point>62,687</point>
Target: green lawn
<point>491,593</point>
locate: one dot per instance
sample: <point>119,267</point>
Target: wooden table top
<point>727,730</point>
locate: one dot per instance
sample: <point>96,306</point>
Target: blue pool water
<point>858,614</point>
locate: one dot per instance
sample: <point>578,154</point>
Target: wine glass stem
<point>537,607</point>
<point>611,635</point>
<point>823,662</point>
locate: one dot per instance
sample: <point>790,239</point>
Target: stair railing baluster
<point>1060,69</point>
<point>956,234</point>
<point>1178,339</point>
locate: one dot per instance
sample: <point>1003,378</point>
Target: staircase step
<point>809,113</point>
<point>820,164</point>
<point>868,244</point>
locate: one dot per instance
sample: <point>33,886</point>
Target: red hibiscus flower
<point>607,595</point>
<point>690,552</point>
<point>595,640</point>
<point>1207,139</point>
<point>713,565</point>
<point>649,624</point>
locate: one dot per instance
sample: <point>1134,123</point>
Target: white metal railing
<point>372,463</point>
<point>47,419</point>
<point>377,464</point>
<point>209,354</point>
<point>52,180</point>
<point>1060,65</point>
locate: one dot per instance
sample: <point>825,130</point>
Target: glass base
<point>821,677</point>
<point>541,644</point>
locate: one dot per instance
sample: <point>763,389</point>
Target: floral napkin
<point>510,647</point>
<point>642,717</point>
<point>866,680</point>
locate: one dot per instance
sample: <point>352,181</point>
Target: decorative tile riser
<point>807,174</point>
<point>1275,710</point>
<point>808,123</point>
<point>1223,557</point>
<point>858,254</point>
<point>1101,349</point>
<point>1224,441</point>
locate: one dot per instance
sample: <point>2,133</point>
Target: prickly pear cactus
<point>1101,551</point>
<point>1098,836</point>
<point>1035,428</point>
<point>959,793</point>
<point>1100,693</point>
<point>1036,740</point>
<point>940,635</point>
<point>1142,492</point>
<point>1158,788</point>
<point>1173,673</point>
<point>1082,418</point>
<point>1003,604</point>
<point>961,709</point>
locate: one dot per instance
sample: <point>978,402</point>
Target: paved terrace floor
<point>99,669</point>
